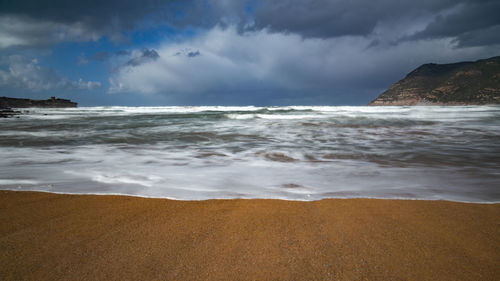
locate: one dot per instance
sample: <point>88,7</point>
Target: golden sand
<point>47,236</point>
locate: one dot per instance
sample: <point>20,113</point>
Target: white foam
<point>289,116</point>
<point>170,109</point>
<point>271,156</point>
<point>241,116</point>
<point>147,181</point>
<point>18,182</point>
<point>442,113</point>
<point>274,116</point>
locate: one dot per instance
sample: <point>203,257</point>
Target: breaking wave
<point>294,152</point>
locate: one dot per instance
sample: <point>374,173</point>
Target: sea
<point>293,153</point>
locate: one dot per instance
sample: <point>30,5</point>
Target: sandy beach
<point>46,236</point>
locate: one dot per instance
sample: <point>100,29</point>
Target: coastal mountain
<point>6,102</point>
<point>463,83</point>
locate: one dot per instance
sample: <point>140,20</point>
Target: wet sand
<point>47,236</point>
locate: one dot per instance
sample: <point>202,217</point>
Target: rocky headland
<point>463,83</point>
<point>6,102</point>
<point>6,105</point>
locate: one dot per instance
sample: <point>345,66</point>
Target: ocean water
<point>295,153</point>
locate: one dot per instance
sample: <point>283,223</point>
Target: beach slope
<point>46,236</point>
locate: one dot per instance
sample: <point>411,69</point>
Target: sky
<point>233,52</point>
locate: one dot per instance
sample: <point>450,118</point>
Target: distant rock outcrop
<point>463,83</point>
<point>6,102</point>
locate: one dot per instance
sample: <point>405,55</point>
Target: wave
<point>293,152</point>
<point>441,113</point>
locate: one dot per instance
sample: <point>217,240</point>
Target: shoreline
<point>50,236</point>
<point>238,198</point>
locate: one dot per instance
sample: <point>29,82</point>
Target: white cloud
<point>26,73</point>
<point>281,64</point>
<point>84,85</point>
<point>225,59</point>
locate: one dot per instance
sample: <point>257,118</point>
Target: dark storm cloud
<point>145,55</point>
<point>474,24</point>
<point>469,22</point>
<point>193,54</point>
<point>249,51</point>
<point>332,18</point>
<point>94,14</point>
<point>188,53</point>
<point>33,23</point>
<point>41,23</point>
<point>483,37</point>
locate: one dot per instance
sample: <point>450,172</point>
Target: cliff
<point>463,83</point>
<point>23,103</point>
